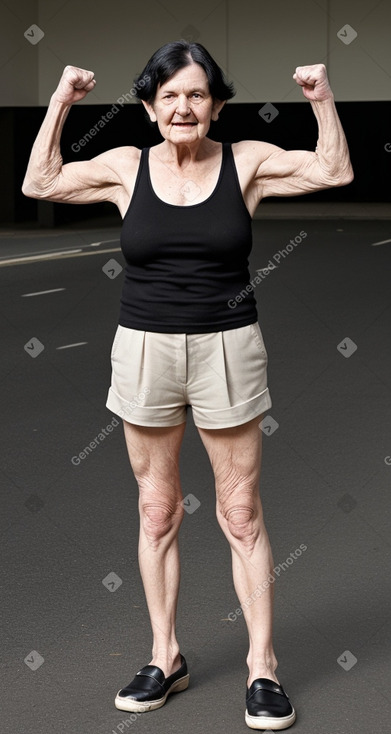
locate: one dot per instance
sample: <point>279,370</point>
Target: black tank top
<point>185,265</point>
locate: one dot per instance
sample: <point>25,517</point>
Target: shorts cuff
<point>235,415</point>
<point>141,415</point>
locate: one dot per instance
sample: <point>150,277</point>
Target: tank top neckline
<point>224,147</point>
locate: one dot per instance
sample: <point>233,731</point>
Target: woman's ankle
<point>169,661</point>
<point>262,668</point>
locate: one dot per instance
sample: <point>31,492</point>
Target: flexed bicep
<point>289,173</point>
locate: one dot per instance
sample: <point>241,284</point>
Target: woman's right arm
<point>83,182</point>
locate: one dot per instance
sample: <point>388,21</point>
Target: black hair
<point>171,57</point>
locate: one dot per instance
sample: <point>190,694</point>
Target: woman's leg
<point>154,457</point>
<point>235,456</point>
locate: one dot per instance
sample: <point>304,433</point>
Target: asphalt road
<point>75,627</point>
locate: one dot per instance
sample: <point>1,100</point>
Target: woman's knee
<point>241,524</point>
<point>161,509</point>
<point>239,512</point>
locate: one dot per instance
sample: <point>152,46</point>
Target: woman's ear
<point>216,109</point>
<point>150,111</point>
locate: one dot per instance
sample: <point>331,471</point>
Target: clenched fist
<point>314,82</point>
<point>74,85</point>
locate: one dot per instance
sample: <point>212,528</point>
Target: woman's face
<point>183,107</point>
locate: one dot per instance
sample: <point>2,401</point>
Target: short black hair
<point>171,57</point>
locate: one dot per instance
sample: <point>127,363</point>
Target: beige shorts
<point>221,375</point>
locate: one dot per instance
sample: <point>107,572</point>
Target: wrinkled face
<point>183,107</point>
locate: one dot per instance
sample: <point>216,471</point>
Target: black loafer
<point>268,706</point>
<point>149,688</point>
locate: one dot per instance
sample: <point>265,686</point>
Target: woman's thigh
<point>234,453</point>
<point>154,456</point>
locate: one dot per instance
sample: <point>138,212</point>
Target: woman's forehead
<point>188,78</point>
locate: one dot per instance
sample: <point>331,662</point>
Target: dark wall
<point>367,126</point>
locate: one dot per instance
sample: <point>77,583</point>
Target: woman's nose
<point>182,105</point>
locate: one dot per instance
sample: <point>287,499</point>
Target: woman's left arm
<point>293,172</point>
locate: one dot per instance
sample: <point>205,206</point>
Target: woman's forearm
<point>332,148</point>
<point>45,159</point>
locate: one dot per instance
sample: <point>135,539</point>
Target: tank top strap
<point>142,172</point>
<point>230,184</point>
<point>227,153</point>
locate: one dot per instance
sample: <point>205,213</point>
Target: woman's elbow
<point>27,190</point>
<point>340,176</point>
<point>346,177</point>
<point>34,189</point>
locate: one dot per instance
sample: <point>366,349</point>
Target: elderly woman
<point>187,205</point>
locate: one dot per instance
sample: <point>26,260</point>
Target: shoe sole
<point>270,722</point>
<point>129,704</point>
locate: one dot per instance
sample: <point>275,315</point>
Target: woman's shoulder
<point>251,148</point>
<point>121,156</point>
<point>249,155</point>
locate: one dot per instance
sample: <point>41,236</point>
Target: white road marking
<point>69,346</point>
<point>51,252</point>
<point>104,242</point>
<point>42,293</point>
<point>59,255</point>
<point>59,251</point>
<point>383,242</point>
<point>32,258</point>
